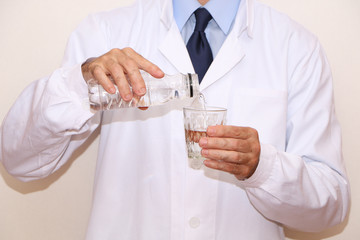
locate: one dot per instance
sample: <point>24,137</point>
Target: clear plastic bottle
<point>158,91</point>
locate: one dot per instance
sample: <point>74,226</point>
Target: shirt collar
<point>223,14</point>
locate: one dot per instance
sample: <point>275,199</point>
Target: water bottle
<point>158,91</point>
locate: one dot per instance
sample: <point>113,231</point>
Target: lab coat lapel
<point>173,46</point>
<point>232,51</point>
<point>174,49</point>
<point>229,55</point>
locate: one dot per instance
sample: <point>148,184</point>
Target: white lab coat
<point>270,73</point>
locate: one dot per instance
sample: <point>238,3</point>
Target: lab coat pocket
<point>262,109</point>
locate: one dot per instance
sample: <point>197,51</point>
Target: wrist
<point>85,69</point>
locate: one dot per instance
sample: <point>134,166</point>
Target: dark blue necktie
<point>198,46</point>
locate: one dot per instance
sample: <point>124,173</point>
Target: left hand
<point>231,149</point>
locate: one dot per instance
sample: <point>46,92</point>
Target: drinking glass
<point>196,122</point>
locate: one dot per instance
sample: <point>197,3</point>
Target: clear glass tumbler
<point>196,122</point>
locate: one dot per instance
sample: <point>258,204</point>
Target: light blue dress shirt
<point>223,13</point>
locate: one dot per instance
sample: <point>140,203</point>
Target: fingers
<point>144,64</point>
<point>242,165</point>
<point>100,75</point>
<point>230,144</point>
<point>121,67</point>
<point>226,156</point>
<point>231,131</point>
<point>231,149</point>
<point>241,172</point>
<point>128,65</point>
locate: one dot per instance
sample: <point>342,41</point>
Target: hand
<point>231,149</point>
<point>123,66</point>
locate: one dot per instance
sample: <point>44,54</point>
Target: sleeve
<point>304,187</point>
<point>50,119</point>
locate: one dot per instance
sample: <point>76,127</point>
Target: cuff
<point>65,106</point>
<point>264,169</point>
<point>75,82</point>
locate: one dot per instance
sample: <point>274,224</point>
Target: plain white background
<point>33,35</point>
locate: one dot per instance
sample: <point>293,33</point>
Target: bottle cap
<point>193,81</point>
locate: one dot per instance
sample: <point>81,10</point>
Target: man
<point>277,162</point>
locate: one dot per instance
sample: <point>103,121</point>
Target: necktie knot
<point>202,17</point>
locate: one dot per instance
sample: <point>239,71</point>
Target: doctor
<point>232,149</point>
<point>277,163</point>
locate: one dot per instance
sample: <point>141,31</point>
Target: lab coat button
<point>194,222</point>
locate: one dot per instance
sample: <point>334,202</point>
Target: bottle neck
<point>193,81</point>
<point>191,87</point>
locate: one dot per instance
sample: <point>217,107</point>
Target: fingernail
<point>211,131</point>
<point>203,141</point>
<point>128,97</point>
<point>112,90</point>
<point>204,152</point>
<point>207,163</point>
<point>160,72</point>
<point>142,90</point>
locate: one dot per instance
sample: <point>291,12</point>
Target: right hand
<point>123,66</point>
